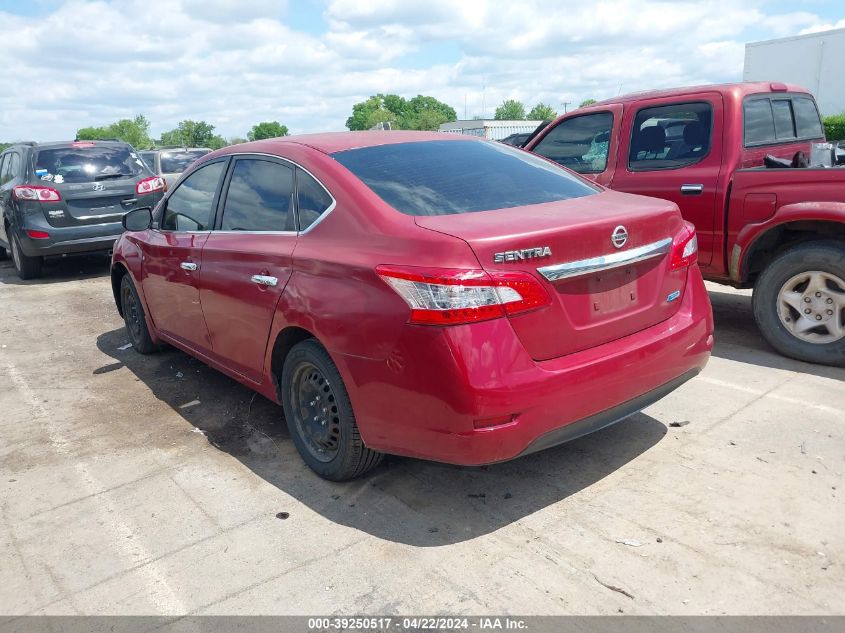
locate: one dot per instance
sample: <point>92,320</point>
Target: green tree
<point>834,127</point>
<point>3,146</point>
<point>510,110</point>
<point>542,112</point>
<point>237,140</point>
<point>135,131</point>
<point>420,113</point>
<point>587,102</point>
<point>267,129</point>
<point>193,134</point>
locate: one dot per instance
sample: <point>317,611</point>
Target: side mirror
<point>138,219</point>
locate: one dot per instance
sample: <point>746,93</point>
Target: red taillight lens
<point>685,248</point>
<point>36,193</point>
<point>150,185</point>
<point>449,296</point>
<point>38,235</point>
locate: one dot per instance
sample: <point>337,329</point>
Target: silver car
<point>170,162</point>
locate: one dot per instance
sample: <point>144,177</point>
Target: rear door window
<point>313,199</point>
<point>10,167</point>
<point>670,136</point>
<point>191,205</point>
<point>259,197</point>
<point>87,162</point>
<point>459,176</point>
<point>580,143</point>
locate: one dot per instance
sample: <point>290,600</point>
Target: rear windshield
<point>447,177</point>
<point>175,162</point>
<point>87,164</point>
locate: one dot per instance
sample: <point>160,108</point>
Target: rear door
<point>247,260</point>
<point>584,143</point>
<point>673,151</point>
<point>173,256</point>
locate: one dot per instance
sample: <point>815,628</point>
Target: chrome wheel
<point>315,412</point>
<point>811,306</point>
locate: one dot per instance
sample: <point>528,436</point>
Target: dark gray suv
<point>68,198</point>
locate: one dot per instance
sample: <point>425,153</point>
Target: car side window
<point>259,197</point>
<point>580,143</point>
<point>10,167</point>
<point>313,199</point>
<point>670,136</point>
<point>3,160</point>
<point>191,205</point>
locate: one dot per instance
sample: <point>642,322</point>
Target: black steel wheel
<point>133,317</point>
<point>319,415</point>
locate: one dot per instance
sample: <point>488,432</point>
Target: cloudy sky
<point>73,63</point>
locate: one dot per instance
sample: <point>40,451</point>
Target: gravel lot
<point>141,485</point>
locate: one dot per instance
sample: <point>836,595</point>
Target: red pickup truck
<point>778,230</point>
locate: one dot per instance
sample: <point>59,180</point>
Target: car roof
<point>330,142</point>
<point>739,90</point>
<point>57,144</point>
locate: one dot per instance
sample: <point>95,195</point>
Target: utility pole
<point>565,104</point>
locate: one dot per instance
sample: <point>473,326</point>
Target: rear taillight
<point>150,185</point>
<point>36,193</point>
<point>448,296</point>
<point>38,235</point>
<point>685,248</point>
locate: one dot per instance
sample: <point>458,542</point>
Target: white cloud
<point>89,62</point>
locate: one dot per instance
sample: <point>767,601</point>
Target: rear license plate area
<point>613,291</point>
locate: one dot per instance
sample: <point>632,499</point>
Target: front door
<point>674,152</point>
<point>172,258</point>
<point>247,261</point>
<point>584,143</point>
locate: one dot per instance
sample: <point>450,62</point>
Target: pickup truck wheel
<point>799,303</point>
<point>133,317</point>
<point>319,415</point>
<point>26,267</point>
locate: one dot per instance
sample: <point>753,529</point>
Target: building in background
<point>815,61</point>
<point>490,129</point>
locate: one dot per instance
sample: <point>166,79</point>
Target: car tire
<point>319,415</point>
<point>27,267</point>
<point>134,318</point>
<point>799,303</point>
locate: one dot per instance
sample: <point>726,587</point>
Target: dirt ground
<point>155,485</point>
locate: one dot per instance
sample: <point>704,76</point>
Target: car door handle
<point>188,266</point>
<point>264,280</point>
<point>692,190</point>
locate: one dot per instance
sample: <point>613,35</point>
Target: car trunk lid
<point>599,292</point>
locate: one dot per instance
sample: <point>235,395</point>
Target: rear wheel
<point>27,267</point>
<point>133,317</point>
<point>319,415</point>
<point>799,303</point>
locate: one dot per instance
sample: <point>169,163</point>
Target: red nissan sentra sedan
<point>422,294</point>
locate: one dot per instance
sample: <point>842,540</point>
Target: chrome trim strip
<point>606,262</point>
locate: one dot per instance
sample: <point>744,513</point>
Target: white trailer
<point>815,61</point>
<point>490,129</point>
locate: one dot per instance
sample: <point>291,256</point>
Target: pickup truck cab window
<point>191,205</point>
<point>580,143</point>
<point>670,136</point>
<point>775,118</point>
<point>259,197</point>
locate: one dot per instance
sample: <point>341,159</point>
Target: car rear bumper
<point>69,240</point>
<point>433,395</point>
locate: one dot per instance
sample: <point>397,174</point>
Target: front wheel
<point>319,415</point>
<point>799,303</point>
<point>133,317</point>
